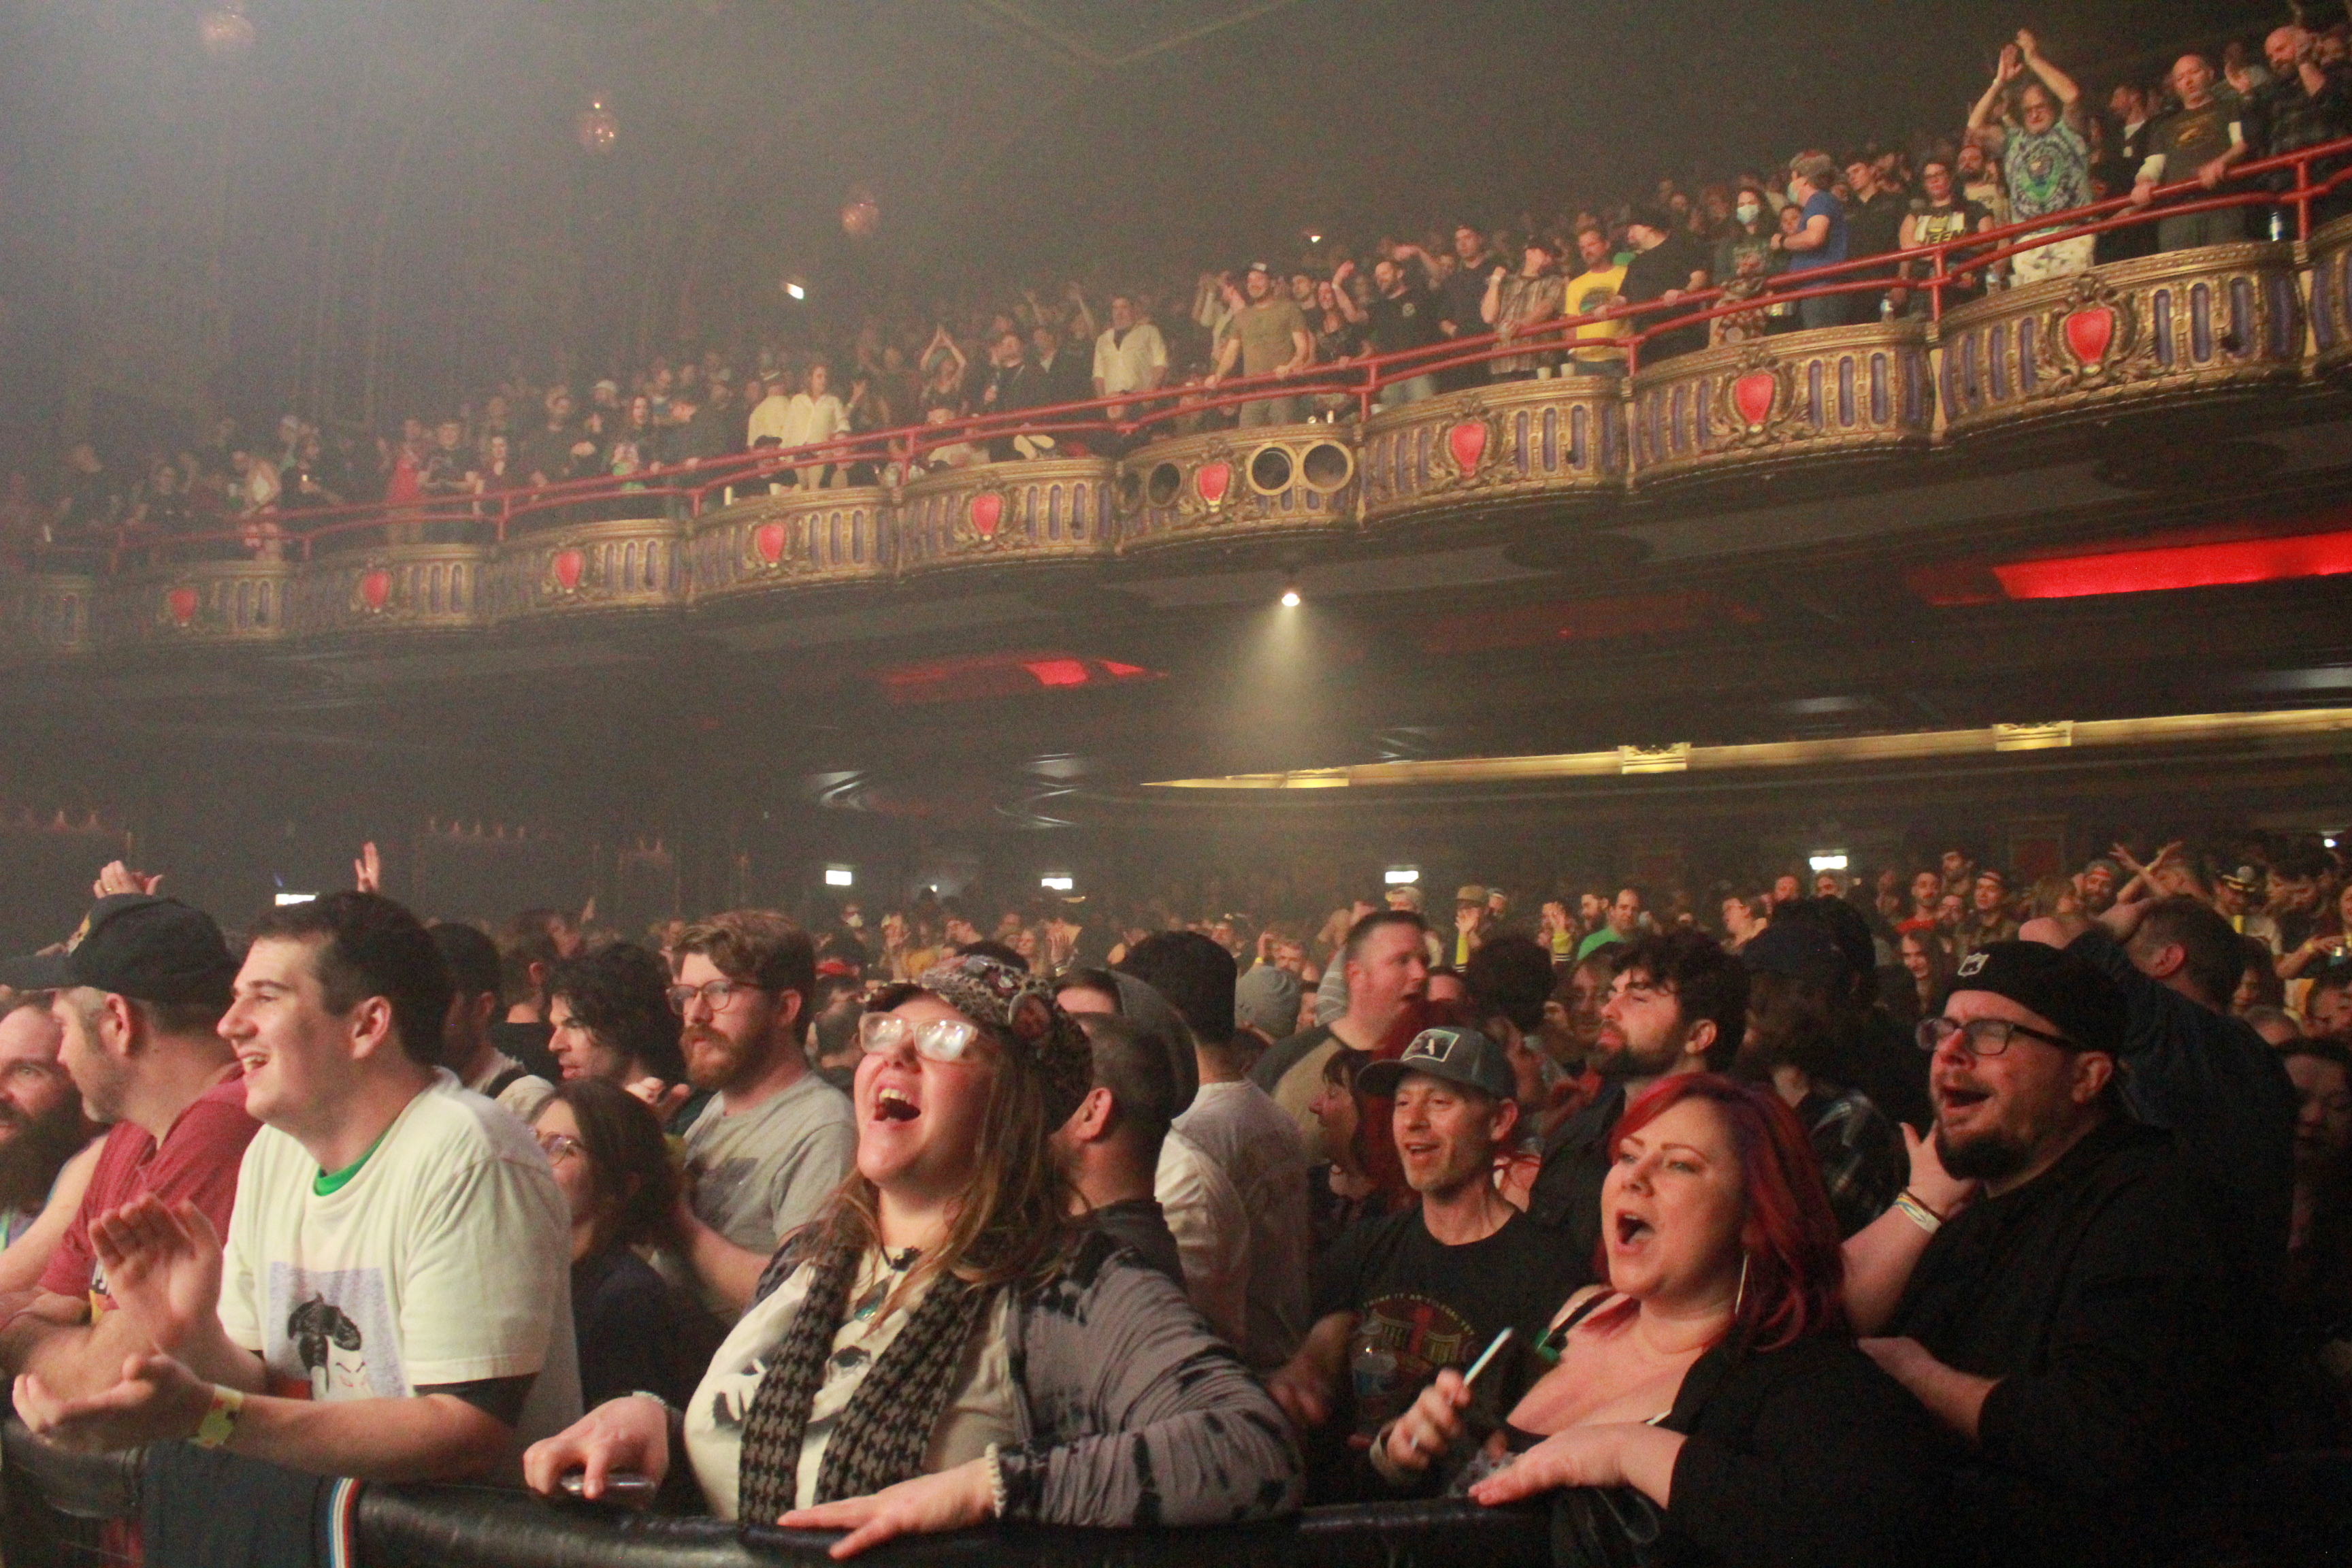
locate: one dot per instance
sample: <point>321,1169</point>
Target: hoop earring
<point>1739,1299</point>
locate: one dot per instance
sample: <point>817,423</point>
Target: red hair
<point>1795,1269</point>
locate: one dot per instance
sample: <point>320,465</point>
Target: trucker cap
<point>137,945</point>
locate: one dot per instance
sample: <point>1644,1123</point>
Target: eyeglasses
<point>559,1145</point>
<point>935,1039</point>
<point>717,993</point>
<point>1984,1037</point>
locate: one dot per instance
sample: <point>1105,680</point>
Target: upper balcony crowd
<point>2038,143</point>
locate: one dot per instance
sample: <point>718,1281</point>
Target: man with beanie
<point>2051,1293</point>
<point>1265,1003</point>
<point>139,997</point>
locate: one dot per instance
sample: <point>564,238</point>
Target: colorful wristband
<point>219,1423</point>
<point>1919,1213</point>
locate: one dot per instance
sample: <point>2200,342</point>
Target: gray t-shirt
<point>761,1173</point>
<point>1253,1141</point>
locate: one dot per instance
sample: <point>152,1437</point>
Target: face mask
<point>1794,199</point>
<point>1750,211</point>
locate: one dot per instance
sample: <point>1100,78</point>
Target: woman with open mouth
<point>944,1346</point>
<point>1708,1402</point>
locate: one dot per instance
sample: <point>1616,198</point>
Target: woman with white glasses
<point>944,1346</point>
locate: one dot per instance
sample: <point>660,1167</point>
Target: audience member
<point>940,1348</point>
<point>349,1326</point>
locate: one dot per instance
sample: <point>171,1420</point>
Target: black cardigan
<point>1799,1457</point>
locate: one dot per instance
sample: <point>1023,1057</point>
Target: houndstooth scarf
<point>885,1435</point>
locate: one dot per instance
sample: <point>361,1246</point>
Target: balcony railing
<point>2169,331</point>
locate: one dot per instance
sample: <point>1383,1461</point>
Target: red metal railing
<point>687,490</point>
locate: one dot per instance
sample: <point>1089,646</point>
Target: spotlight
<point>598,127</point>
<point>1290,595</point>
<point>1058,883</point>
<point>1827,860</point>
<point>226,30</point>
<point>287,900</point>
<point>1402,876</point>
<point>796,291</point>
<point>838,877</point>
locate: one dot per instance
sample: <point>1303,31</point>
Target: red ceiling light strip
<point>2211,563</point>
<point>985,675</point>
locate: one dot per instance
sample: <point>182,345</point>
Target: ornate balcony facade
<point>408,587</point>
<point>1494,448</point>
<point>1832,394</point>
<point>997,514</point>
<point>49,614</point>
<point>637,564</point>
<point>198,602</point>
<point>1227,486</point>
<point>2163,333</point>
<point>2331,297</point>
<point>796,539</point>
<point>2162,327</point>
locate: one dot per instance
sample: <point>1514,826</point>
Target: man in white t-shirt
<point>774,1139</point>
<point>394,1300</point>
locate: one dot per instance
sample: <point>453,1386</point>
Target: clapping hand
<point>158,1400</point>
<point>118,877</point>
<point>162,1265</point>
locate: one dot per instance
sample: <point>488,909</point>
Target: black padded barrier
<point>2291,1511</point>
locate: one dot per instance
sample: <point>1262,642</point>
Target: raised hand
<point>163,1266</point>
<point>367,871</point>
<point>1930,1183</point>
<point>117,878</point>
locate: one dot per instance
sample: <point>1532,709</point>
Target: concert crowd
<point>1933,1214</point>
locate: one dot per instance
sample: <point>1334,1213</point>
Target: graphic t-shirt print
<point>331,1335</point>
<point>1400,1342</point>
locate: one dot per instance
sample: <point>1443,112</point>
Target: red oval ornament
<point>987,512</point>
<point>2090,333</point>
<point>181,604</point>
<point>769,540</point>
<point>376,588</point>
<point>1467,443</point>
<point>1752,395</point>
<point>1212,480</point>
<point>568,566</point>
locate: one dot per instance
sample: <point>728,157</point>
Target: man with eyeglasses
<point>774,1139</point>
<point>2047,1285</point>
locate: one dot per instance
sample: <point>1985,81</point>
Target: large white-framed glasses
<point>934,1039</point>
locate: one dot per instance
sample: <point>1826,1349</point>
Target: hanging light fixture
<point>226,30</point>
<point>598,128</point>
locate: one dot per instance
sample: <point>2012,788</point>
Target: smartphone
<point>620,1486</point>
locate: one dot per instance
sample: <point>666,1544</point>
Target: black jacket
<point>1801,1456</point>
<point>1565,1192</point>
<point>2225,1094</point>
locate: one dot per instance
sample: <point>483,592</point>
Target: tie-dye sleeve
<point>1140,1415</point>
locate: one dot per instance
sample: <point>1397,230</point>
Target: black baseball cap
<point>1800,950</point>
<point>2089,1008</point>
<point>136,946</point>
<point>1465,1057</point>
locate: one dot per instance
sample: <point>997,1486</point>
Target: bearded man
<point>774,1139</point>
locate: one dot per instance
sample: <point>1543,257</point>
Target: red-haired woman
<point>1712,1390</point>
